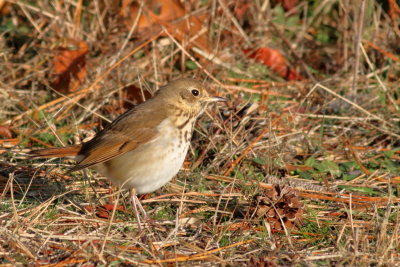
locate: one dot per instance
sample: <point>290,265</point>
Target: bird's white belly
<point>150,166</point>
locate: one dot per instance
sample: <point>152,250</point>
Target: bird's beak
<point>215,99</point>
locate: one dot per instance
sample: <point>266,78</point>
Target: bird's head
<point>188,95</point>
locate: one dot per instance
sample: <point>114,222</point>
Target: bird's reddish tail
<point>57,152</point>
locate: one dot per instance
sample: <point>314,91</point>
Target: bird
<point>145,147</point>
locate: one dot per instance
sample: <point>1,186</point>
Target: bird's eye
<point>195,92</point>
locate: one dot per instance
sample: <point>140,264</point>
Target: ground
<point>300,167</point>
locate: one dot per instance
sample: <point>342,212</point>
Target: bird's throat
<point>184,120</point>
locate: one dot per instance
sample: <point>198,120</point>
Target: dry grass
<point>334,136</point>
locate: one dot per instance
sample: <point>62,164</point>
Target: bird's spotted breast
<point>151,165</point>
<point>187,135</point>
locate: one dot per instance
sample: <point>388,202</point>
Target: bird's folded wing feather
<point>115,144</point>
<point>131,130</point>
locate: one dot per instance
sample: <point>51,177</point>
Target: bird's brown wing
<point>106,149</point>
<point>126,133</point>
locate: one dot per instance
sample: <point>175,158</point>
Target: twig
<point>357,45</point>
<point>250,146</point>
<point>199,256</point>
<point>353,104</point>
<point>385,90</point>
<point>75,96</point>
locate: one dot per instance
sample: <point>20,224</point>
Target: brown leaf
<point>134,96</point>
<point>171,15</point>
<point>110,207</point>
<point>288,4</point>
<point>241,9</point>
<point>275,60</point>
<point>103,211</point>
<point>69,66</point>
<point>103,214</point>
<point>4,7</point>
<point>394,10</point>
<point>5,132</point>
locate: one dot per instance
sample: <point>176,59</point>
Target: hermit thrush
<point>145,147</point>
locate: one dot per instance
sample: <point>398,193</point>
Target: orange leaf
<point>69,66</point>
<point>394,10</point>
<point>4,7</point>
<point>275,60</point>
<point>168,13</point>
<point>134,95</point>
<point>241,9</point>
<point>5,132</point>
<point>103,211</point>
<point>288,4</point>
<point>110,207</point>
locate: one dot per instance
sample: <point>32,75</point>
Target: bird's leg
<point>137,206</point>
<point>136,203</point>
<point>141,208</point>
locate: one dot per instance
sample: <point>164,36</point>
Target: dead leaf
<point>133,95</point>
<point>110,207</point>
<point>275,60</point>
<point>171,15</point>
<point>5,132</point>
<point>4,7</point>
<point>288,4</point>
<point>394,10</point>
<point>69,66</point>
<point>103,211</point>
<point>241,9</point>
